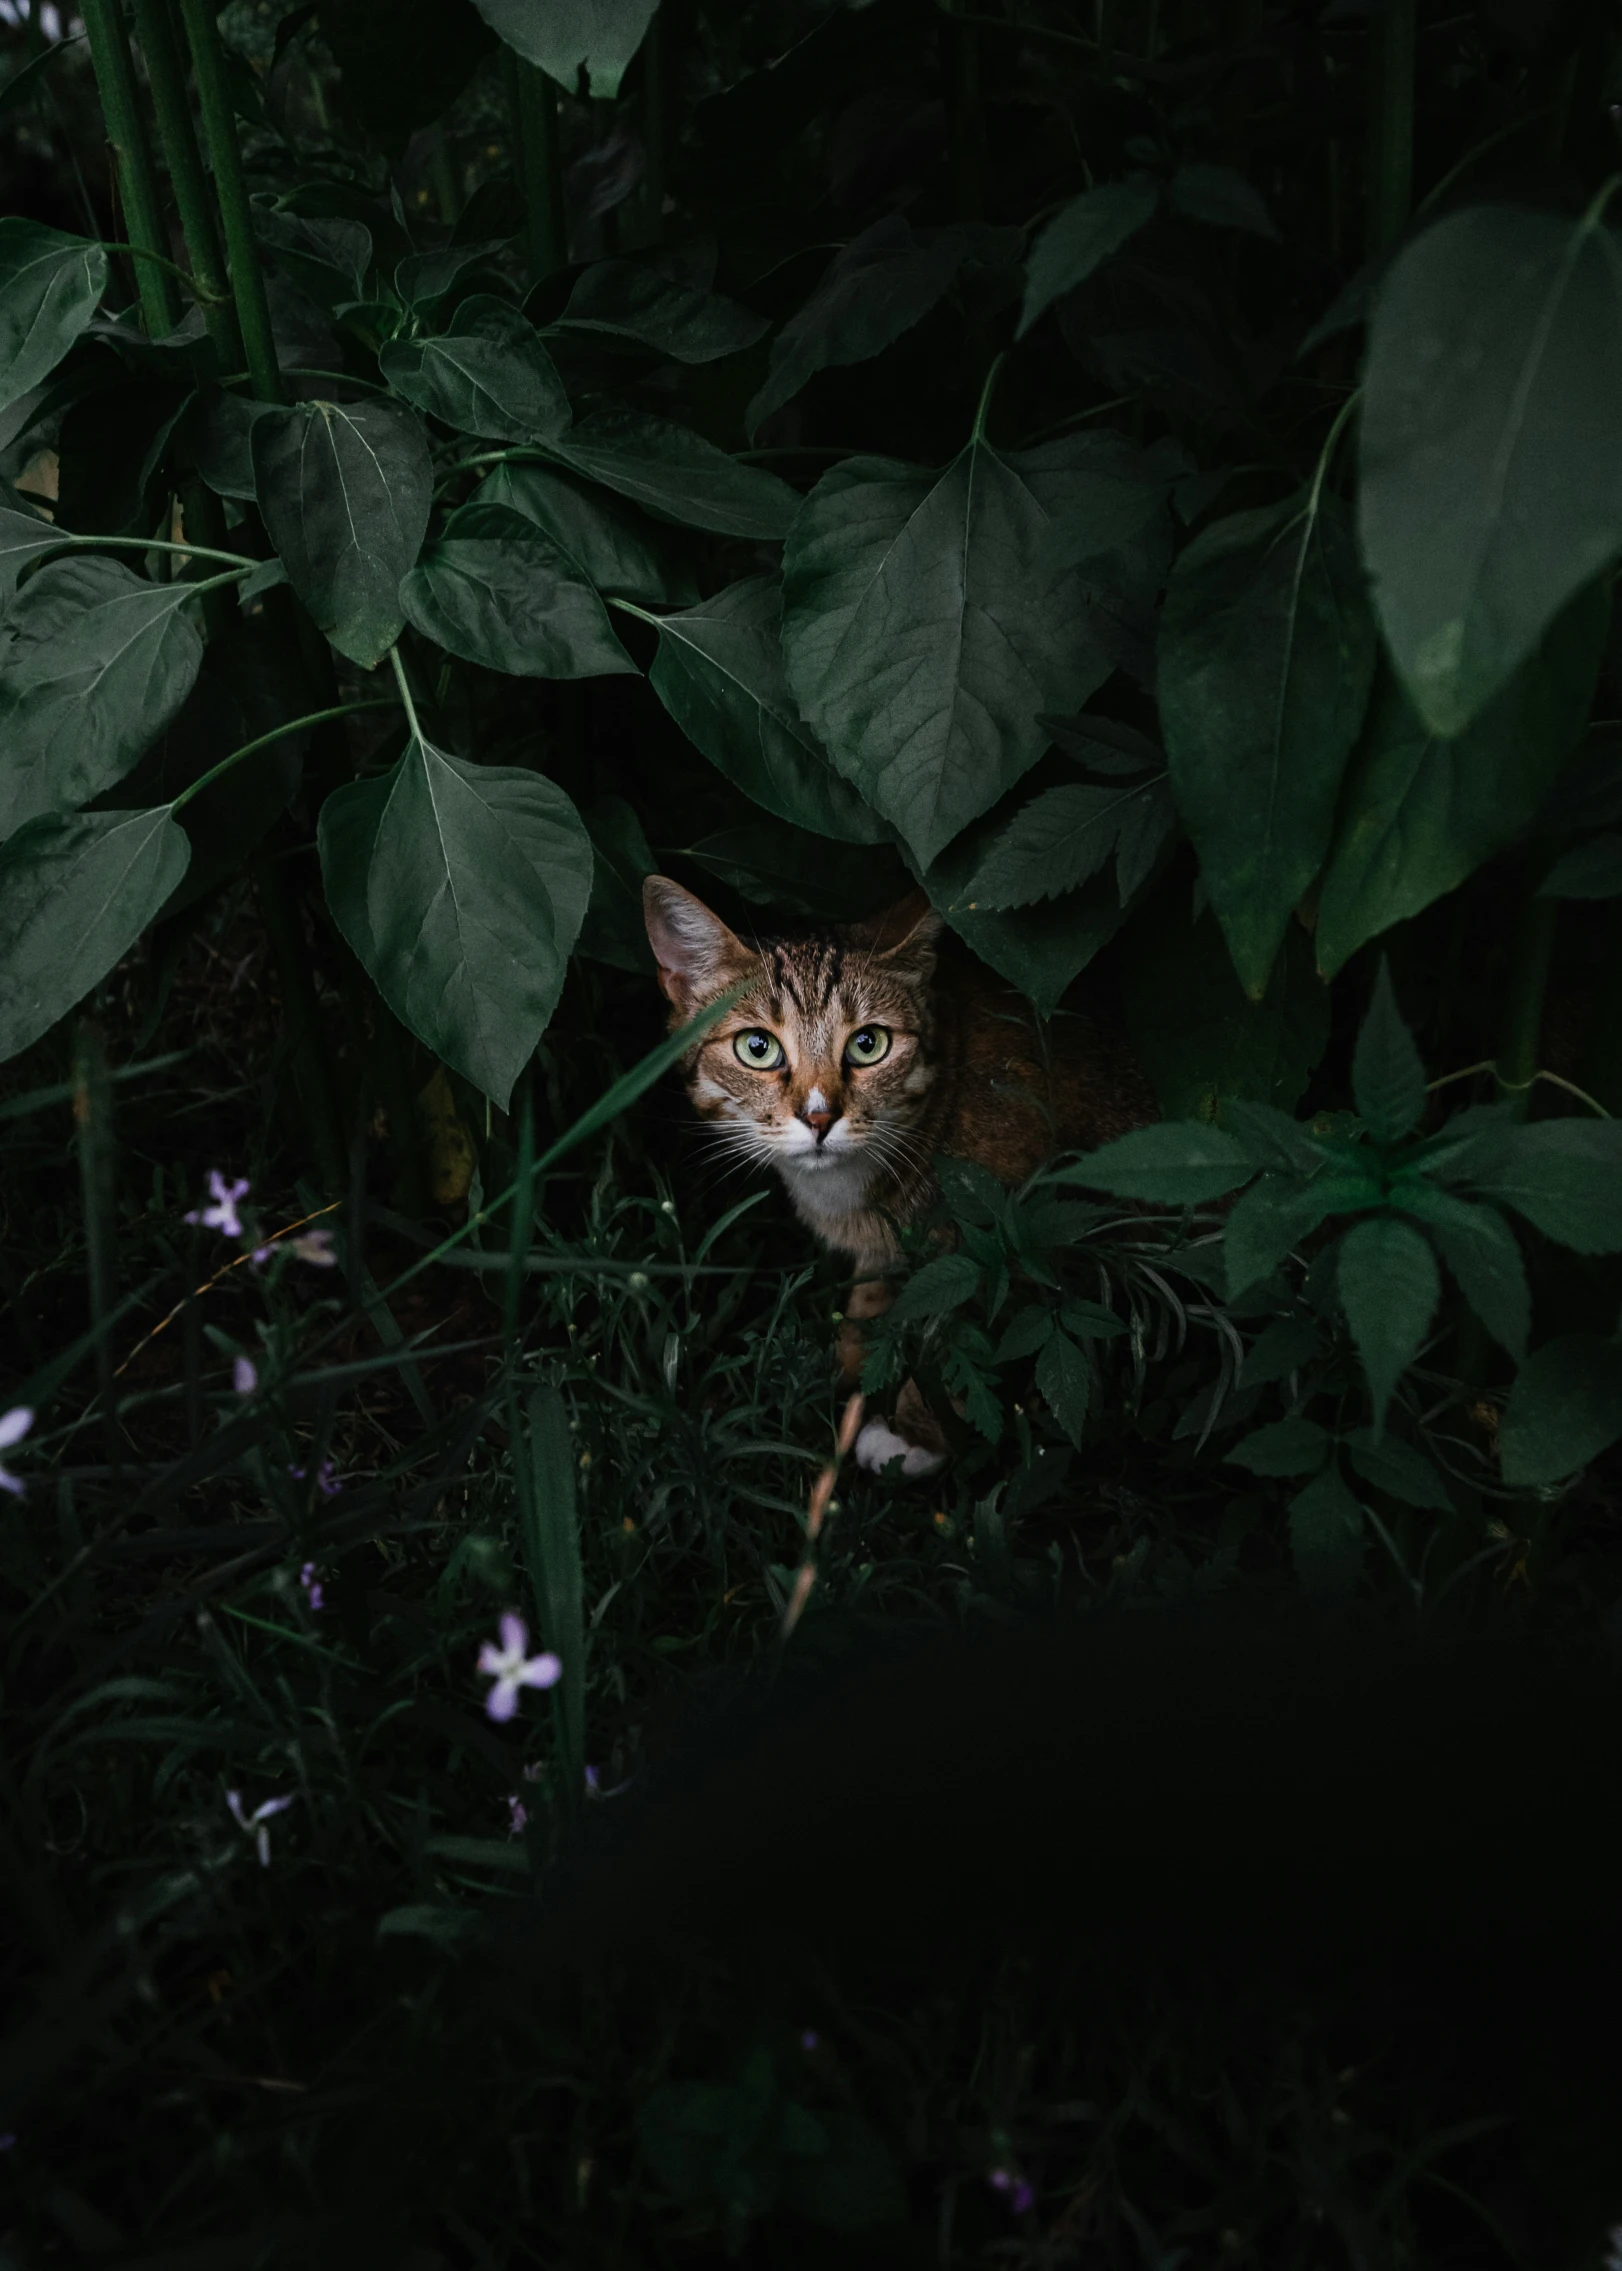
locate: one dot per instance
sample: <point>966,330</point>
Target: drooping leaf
<point>624,299</point>
<point>939,1286</point>
<point>1326,1537</point>
<point>676,475</point>
<point>1491,486</point>
<point>926,625</point>
<point>1388,1072</point>
<point>94,662</point>
<point>1273,1218</point>
<point>610,544</point>
<point>345,490</point>
<point>1565,1409</point>
<point>876,288</point>
<point>1419,813</point>
<point>461,888</point>
<point>719,672</point>
<point>779,865</point>
<point>1589,871</point>
<point>1178,1163</point>
<point>1220,197</point>
<point>614,931</point>
<point>1065,835</point>
<point>487,373</point>
<point>76,892</point>
<point>1480,1249</point>
<point>1081,237</point>
<point>1389,1286</point>
<point>1398,1469</point>
<point>1039,949</point>
<point>1287,1447</point>
<point>1200,1037</point>
<point>566,37</point>
<point>1564,1176</point>
<point>50,286</point>
<point>494,590</point>
<point>1064,1380</point>
<point>1266,655</point>
<point>24,538</point>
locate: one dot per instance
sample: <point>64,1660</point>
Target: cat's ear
<point>907,931</point>
<point>695,951</point>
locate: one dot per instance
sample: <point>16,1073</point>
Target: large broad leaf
<point>1200,1037</point>
<point>24,537</point>
<point>1491,450</point>
<point>76,892</point>
<point>566,37</point>
<point>879,286</point>
<point>1421,813</point>
<point>609,543</point>
<point>1565,1409</point>
<point>677,475</point>
<point>719,672</point>
<point>486,374</point>
<point>494,590</point>
<point>623,299</point>
<point>50,285</point>
<point>461,888</point>
<point>1080,238</point>
<point>1103,496</point>
<point>1266,654</point>
<point>1389,1286</point>
<point>94,662</point>
<point>345,489</point>
<point>928,621</point>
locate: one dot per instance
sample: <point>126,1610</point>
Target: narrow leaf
<point>1388,1073</point>
<point>1480,1249</point>
<point>1326,1538</point>
<point>1389,1286</point>
<point>1081,238</point>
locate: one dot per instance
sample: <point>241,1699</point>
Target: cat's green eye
<point>869,1046</point>
<point>759,1050</point>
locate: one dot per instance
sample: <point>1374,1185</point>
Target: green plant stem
<point>231,188</point>
<point>166,76</point>
<point>277,733</point>
<point>137,175</point>
<point>1530,958</point>
<point>157,260</point>
<point>404,685</point>
<point>312,1085</point>
<point>1389,180</point>
<point>237,560</point>
<point>540,163</point>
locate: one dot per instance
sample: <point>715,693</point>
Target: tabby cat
<point>857,1055</point>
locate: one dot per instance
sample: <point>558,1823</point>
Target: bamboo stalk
<point>1389,182</point>
<point>1531,956</point>
<point>134,169</point>
<point>231,189</point>
<point>166,76</point>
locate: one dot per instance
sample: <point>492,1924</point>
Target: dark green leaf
<point>1388,1073</point>
<point>1080,238</point>
<point>50,285</point>
<point>771,861</point>
<point>1178,1163</point>
<point>1266,655</point>
<point>879,286</point>
<point>719,672</point>
<point>1419,814</point>
<point>610,544</point>
<point>1565,1409</point>
<point>626,300</point>
<point>614,930</point>
<point>943,1284</point>
<point>1279,1349</point>
<point>24,537</point>
<point>1564,1176</point>
<point>1480,1249</point>
<point>345,490</point>
<point>461,889</point>
<point>1274,1139</point>
<point>1101,496</point>
<point>1038,949</point>
<point>1389,1286</point>
<point>1326,1537</point>
<point>1065,835</point>
<point>1221,197</point>
<point>566,37</point>
<point>925,626</point>
<point>422,279</point>
<point>487,374</point>
<point>552,1551</point>
<point>677,475</point>
<point>94,662</point>
<point>1398,1469</point>
<point>1287,1447</point>
<point>494,590</point>
<point>1025,1333</point>
<point>1272,1220</point>
<point>1064,1380</point>
<point>1199,1036</point>
<point>1491,484</point>
<point>76,892</point>
<point>850,2183</point>
<point>1590,871</point>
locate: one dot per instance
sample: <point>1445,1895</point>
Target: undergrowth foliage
<point>1150,479</point>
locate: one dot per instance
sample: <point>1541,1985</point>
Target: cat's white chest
<point>827,1193</point>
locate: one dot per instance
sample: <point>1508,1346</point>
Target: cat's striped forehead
<point>819,984</point>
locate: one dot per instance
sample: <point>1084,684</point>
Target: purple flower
<point>312,1586</point>
<point>222,1215</point>
<point>810,2039</point>
<point>517,1816</point>
<point>14,1425</point>
<point>254,1824</point>
<point>244,1376</point>
<point>8,2140</point>
<point>511,1668</point>
<point>1021,2197</point>
<point>326,1477</point>
<point>594,1783</point>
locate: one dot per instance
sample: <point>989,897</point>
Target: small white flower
<point>512,1668</point>
<point>222,1215</point>
<point>244,1376</point>
<point>14,1425</point>
<point>255,1823</point>
<point>315,1246</point>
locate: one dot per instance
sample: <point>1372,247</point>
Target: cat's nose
<point>819,1122</point>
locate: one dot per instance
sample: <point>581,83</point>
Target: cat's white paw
<point>879,1444</point>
